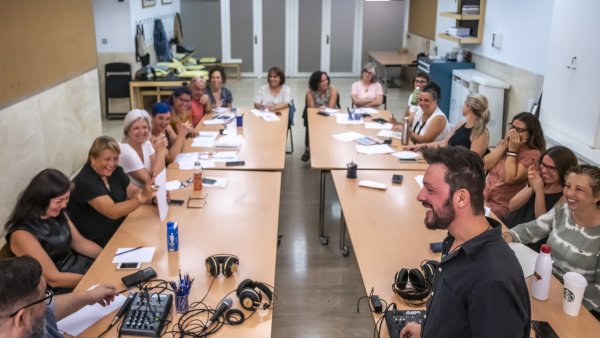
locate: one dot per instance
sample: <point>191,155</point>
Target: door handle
<point>327,39</point>
<point>256,39</point>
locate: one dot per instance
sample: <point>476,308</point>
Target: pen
<point>127,251</point>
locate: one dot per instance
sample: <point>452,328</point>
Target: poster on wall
<point>148,3</point>
<point>167,2</point>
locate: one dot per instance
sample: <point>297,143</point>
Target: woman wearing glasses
<point>367,92</point>
<point>507,164</point>
<point>39,227</point>
<point>573,231</point>
<point>544,190</point>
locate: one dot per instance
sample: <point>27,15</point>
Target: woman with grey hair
<point>367,92</point>
<point>140,158</point>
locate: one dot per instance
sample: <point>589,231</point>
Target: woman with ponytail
<point>473,133</point>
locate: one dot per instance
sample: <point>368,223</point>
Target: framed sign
<point>167,2</point>
<point>148,3</point>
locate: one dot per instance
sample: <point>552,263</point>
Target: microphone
<point>225,304</point>
<point>123,309</point>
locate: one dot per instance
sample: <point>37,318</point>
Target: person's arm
<point>514,171</point>
<point>436,126</point>
<point>519,200</point>
<point>479,144</point>
<point>178,141</point>
<point>533,231</point>
<point>71,302</point>
<point>310,101</point>
<point>24,243</point>
<point>333,94</point>
<point>81,244</point>
<point>136,197</point>
<point>498,309</point>
<point>258,99</point>
<point>157,159</point>
<point>491,159</point>
<point>411,330</point>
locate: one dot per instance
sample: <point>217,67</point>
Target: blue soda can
<point>172,236</point>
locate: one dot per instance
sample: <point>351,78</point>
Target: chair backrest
<point>384,101</point>
<point>337,101</point>
<point>117,77</point>
<point>117,67</point>
<point>291,113</point>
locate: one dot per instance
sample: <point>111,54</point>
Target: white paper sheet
<point>372,184</point>
<point>161,194</point>
<point>376,125</point>
<point>207,133</point>
<point>419,179</point>
<point>230,141</point>
<point>329,111</point>
<point>390,134</point>
<point>259,113</point>
<point>219,110</point>
<point>141,255</point>
<point>406,155</point>
<point>79,321</point>
<point>349,136</point>
<point>365,110</point>
<point>206,142</point>
<point>173,185</point>
<point>526,257</point>
<point>225,155</point>
<point>270,117</point>
<point>375,149</point>
<point>342,118</point>
<point>220,182</point>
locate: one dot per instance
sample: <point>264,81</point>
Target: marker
<point>127,251</point>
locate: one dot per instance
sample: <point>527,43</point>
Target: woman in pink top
<point>507,164</point>
<point>367,92</point>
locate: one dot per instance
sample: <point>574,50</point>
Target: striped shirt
<point>574,248</point>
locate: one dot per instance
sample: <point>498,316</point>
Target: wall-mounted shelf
<point>472,21</point>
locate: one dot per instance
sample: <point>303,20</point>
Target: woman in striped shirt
<point>573,231</point>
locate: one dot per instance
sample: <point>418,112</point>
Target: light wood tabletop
<point>392,57</point>
<point>240,219</point>
<point>263,146</point>
<point>388,233</point>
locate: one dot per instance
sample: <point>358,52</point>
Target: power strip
<point>147,316</point>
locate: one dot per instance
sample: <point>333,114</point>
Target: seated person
<point>419,82</point>
<point>430,123</point>
<point>103,194</point>
<point>471,134</point>
<point>161,127</point>
<point>507,164</point>
<point>320,94</point>
<point>218,95</point>
<point>39,227</point>
<point>200,101</point>
<point>138,156</point>
<point>367,92</point>
<point>545,187</point>
<point>573,231</point>
<point>275,95</point>
<point>29,310</point>
<point>181,106</point>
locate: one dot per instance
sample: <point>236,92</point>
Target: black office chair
<point>291,113</point>
<point>117,76</point>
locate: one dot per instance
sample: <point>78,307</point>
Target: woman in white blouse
<point>275,95</point>
<point>140,158</point>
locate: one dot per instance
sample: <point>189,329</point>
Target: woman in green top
<point>573,231</point>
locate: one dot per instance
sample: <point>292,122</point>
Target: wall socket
<point>104,41</point>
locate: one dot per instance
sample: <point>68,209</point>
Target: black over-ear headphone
<point>421,281</point>
<point>222,263</point>
<point>250,294</point>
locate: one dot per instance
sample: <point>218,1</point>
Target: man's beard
<point>441,219</point>
<point>38,327</point>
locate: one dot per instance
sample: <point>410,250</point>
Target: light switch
<point>104,41</point>
<point>497,40</point>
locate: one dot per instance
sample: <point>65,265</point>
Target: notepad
<point>141,255</point>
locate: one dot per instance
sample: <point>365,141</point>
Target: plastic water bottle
<point>197,176</point>
<point>413,99</point>
<point>405,131</point>
<point>542,274</point>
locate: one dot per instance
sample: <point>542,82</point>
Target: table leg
<point>131,97</point>
<point>343,249</point>
<point>385,79</point>
<point>324,239</point>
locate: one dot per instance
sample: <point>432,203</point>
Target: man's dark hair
<point>19,280</point>
<point>465,171</point>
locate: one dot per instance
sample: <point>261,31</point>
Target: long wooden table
<point>388,233</point>
<point>239,219</point>
<point>264,142</point>
<point>328,153</point>
<point>391,58</point>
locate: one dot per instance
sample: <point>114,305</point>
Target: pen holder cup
<point>351,169</point>
<point>181,303</point>
<point>239,119</point>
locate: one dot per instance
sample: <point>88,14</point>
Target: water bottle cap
<point>546,248</point>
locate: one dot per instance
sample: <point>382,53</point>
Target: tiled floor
<point>318,287</point>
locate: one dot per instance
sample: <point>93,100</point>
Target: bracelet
<point>511,153</point>
<point>139,198</point>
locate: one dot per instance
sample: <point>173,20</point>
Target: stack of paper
<point>329,111</point>
<point>376,149</point>
<point>270,117</point>
<point>131,255</point>
<point>406,155</point>
<point>349,136</point>
<point>375,125</point>
<point>188,161</point>
<point>230,141</point>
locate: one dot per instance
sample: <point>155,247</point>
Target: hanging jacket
<point>161,43</point>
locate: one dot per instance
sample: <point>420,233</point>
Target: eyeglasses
<point>47,298</point>
<point>420,81</point>
<point>549,169</point>
<point>519,130</point>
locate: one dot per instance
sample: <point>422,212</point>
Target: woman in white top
<point>429,123</point>
<point>140,158</point>
<point>367,92</point>
<point>275,95</point>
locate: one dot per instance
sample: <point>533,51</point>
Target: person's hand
<point>203,99</point>
<point>270,107</point>
<point>411,330</point>
<point>514,140</point>
<point>187,127</point>
<point>102,294</point>
<point>535,179</point>
<point>160,142</point>
<point>416,147</point>
<point>148,192</point>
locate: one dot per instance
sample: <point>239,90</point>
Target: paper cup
<point>574,287</point>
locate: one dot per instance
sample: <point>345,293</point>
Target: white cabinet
<point>571,92</point>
